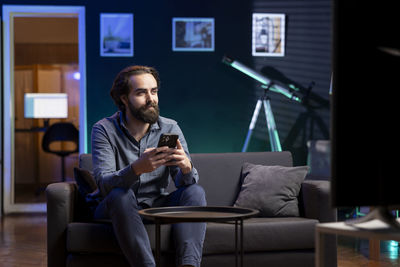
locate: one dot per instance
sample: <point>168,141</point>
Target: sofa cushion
<point>273,190</point>
<point>88,197</point>
<point>100,238</point>
<point>85,181</point>
<point>262,234</point>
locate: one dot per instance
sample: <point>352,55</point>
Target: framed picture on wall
<point>116,35</point>
<point>193,34</point>
<point>268,34</point>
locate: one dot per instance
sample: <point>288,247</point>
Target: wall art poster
<point>116,35</point>
<point>268,34</point>
<point>193,34</point>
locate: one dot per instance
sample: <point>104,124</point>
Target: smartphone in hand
<point>168,139</point>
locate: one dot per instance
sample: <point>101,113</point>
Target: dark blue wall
<point>212,102</point>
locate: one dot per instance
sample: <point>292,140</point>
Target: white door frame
<point>9,13</point>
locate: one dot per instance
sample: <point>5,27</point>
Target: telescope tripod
<point>269,116</point>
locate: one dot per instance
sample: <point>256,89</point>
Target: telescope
<point>266,83</point>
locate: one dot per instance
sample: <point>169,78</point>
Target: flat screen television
<point>365,106</point>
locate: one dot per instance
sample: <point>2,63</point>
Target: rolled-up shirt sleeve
<point>104,163</point>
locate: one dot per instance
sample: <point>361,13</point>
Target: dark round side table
<point>219,214</point>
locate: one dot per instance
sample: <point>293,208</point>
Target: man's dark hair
<point>121,85</point>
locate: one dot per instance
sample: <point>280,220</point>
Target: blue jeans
<point>121,206</point>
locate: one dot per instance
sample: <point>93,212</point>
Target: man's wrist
<point>187,169</point>
<point>135,168</point>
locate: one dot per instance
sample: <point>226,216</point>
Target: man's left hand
<point>179,158</point>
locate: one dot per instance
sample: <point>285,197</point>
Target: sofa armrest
<point>316,200</point>
<point>60,199</point>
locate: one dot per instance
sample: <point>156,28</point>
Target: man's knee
<point>194,195</point>
<point>120,197</point>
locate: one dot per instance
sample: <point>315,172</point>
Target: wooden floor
<point>355,252</point>
<point>23,241</point>
<point>23,244</point>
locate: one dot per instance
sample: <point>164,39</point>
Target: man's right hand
<point>151,159</point>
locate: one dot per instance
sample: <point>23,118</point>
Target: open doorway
<point>44,59</point>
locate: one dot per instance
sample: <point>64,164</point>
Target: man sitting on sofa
<point>132,173</point>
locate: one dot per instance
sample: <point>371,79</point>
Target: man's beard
<point>145,113</point>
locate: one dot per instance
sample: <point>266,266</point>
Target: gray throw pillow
<point>273,190</point>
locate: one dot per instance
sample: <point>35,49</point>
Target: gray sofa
<point>267,241</point>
